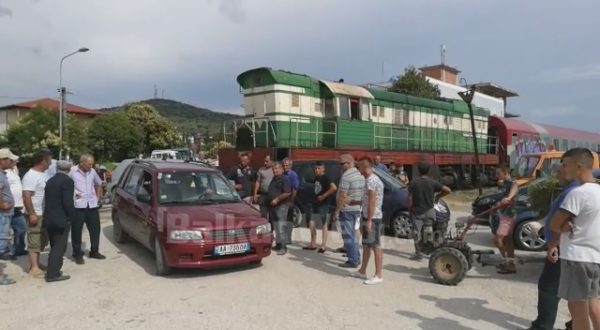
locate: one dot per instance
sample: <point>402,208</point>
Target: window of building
<point>381,112</point>
<point>318,106</point>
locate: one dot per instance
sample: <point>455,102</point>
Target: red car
<point>189,215</point>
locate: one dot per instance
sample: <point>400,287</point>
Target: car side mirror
<point>144,198</point>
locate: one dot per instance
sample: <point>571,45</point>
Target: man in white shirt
<point>34,183</point>
<point>88,194</point>
<point>18,223</point>
<point>578,225</point>
<point>372,222</point>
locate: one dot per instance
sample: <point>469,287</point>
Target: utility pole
<point>467,96</point>
<point>63,91</point>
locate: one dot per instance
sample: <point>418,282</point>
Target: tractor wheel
<point>448,265</point>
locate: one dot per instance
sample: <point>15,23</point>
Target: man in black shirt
<point>278,196</point>
<point>244,177</point>
<point>421,197</point>
<point>324,188</point>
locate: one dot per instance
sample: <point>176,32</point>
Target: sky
<point>192,50</point>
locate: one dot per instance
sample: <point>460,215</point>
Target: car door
<point>142,219</point>
<point>127,203</point>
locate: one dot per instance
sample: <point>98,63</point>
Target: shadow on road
<point>474,309</point>
<point>144,258</point>
<point>437,323</point>
<point>321,262</point>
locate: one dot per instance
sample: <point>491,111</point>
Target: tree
<point>39,129</point>
<point>414,83</point>
<point>112,137</point>
<point>212,148</point>
<point>158,132</point>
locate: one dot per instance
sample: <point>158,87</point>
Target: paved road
<point>299,291</point>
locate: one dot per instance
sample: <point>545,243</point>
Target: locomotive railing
<point>253,124</point>
<point>300,136</point>
<point>318,134</point>
<point>390,137</point>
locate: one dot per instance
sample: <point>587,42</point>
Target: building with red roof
<point>12,112</point>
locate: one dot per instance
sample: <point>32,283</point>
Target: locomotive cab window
<point>354,109</point>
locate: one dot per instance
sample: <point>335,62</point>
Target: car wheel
<point>296,215</point>
<point>529,236</point>
<point>119,234</point>
<point>162,268</point>
<point>400,225</point>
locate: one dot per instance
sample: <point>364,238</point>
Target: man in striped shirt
<point>349,200</point>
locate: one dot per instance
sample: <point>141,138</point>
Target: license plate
<point>232,249</point>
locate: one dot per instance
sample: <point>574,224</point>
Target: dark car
<point>188,215</point>
<point>395,199</point>
<point>529,232</point>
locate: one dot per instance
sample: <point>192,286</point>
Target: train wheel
<point>448,265</point>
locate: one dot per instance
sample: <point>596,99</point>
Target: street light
<point>63,92</point>
<point>467,96</point>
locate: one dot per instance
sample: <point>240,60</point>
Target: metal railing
<point>252,124</point>
<point>318,134</point>
<point>298,133</point>
<point>390,137</point>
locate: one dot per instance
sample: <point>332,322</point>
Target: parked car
<point>188,215</point>
<point>116,175</point>
<point>395,200</point>
<point>529,231</point>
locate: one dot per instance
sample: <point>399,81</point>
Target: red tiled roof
<point>52,104</point>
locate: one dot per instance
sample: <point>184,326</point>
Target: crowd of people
<point>44,207</point>
<point>355,202</point>
<point>47,205</point>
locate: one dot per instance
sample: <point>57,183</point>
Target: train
<point>294,115</point>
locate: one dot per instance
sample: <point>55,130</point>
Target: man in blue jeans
<point>349,199</point>
<point>18,223</point>
<point>6,210</point>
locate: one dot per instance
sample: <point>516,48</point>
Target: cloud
<point>4,11</point>
<point>556,111</point>
<point>233,10</point>
<point>571,74</point>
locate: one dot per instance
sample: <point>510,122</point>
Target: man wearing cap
<point>18,223</point>
<point>88,193</point>
<point>59,210</point>
<point>6,209</point>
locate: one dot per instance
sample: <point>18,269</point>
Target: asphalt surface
<point>301,290</point>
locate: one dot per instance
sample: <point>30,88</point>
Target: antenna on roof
<point>443,53</point>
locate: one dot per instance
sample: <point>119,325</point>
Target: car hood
<point>211,217</point>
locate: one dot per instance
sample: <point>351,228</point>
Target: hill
<point>187,118</point>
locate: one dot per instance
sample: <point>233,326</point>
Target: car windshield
<point>525,166</point>
<point>388,179</point>
<point>195,188</point>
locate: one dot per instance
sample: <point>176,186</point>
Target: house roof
<point>52,104</point>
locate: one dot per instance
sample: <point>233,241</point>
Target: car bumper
<point>192,255</point>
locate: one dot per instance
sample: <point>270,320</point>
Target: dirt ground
<point>301,290</point>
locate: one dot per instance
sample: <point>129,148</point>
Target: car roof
<point>161,166</point>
